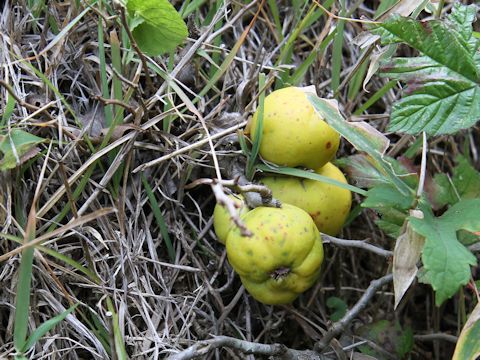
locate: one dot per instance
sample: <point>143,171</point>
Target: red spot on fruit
<point>329,145</point>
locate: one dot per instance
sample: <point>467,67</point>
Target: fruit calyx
<point>280,273</point>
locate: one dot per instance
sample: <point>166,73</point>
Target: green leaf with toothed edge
<point>156,26</point>
<point>446,262</point>
<point>443,84</point>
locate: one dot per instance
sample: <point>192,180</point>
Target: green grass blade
<point>259,128</point>
<point>357,81</point>
<point>117,83</point>
<point>217,41</point>
<point>22,301</point>
<point>103,73</point>
<point>338,51</point>
<point>285,56</point>
<point>375,97</point>
<point>243,144</point>
<point>117,334</point>
<point>228,59</point>
<point>272,4</point>
<point>46,327</point>
<point>297,77</point>
<point>117,110</point>
<point>8,111</point>
<point>309,175</point>
<point>90,274</point>
<point>191,7</point>
<point>160,219</point>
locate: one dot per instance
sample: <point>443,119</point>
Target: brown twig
<point>23,103</point>
<point>117,102</point>
<point>276,351</point>
<point>338,327</point>
<point>361,244</point>
<point>265,193</point>
<point>344,18</point>
<point>229,204</point>
<point>123,18</point>
<point>437,336</point>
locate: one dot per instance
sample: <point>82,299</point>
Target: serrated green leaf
<point>431,38</point>
<point>443,85</point>
<point>156,26</point>
<point>462,17</point>
<point>446,262</point>
<point>436,106</point>
<point>464,184</point>
<point>14,146</point>
<point>468,345</point>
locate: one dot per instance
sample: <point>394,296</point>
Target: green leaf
<point>388,227</point>
<point>8,110</point>
<point>431,38</point>
<point>156,26</point>
<point>309,175</point>
<point>46,327</point>
<point>259,128</point>
<point>361,170</point>
<point>338,306</point>
<point>387,197</point>
<point>363,137</point>
<point>160,219</point>
<point>387,334</point>
<point>462,18</point>
<point>119,342</point>
<point>468,346</point>
<point>464,184</point>
<point>443,85</point>
<point>22,296</point>
<point>391,205</point>
<point>446,262</point>
<point>15,147</point>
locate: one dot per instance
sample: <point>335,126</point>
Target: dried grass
<point>163,306</point>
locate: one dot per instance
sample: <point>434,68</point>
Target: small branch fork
<point>341,325</point>
<point>250,191</point>
<point>230,205</point>
<point>279,351</point>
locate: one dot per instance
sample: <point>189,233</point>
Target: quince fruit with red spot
<point>327,204</point>
<point>293,134</point>
<point>282,257</point>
